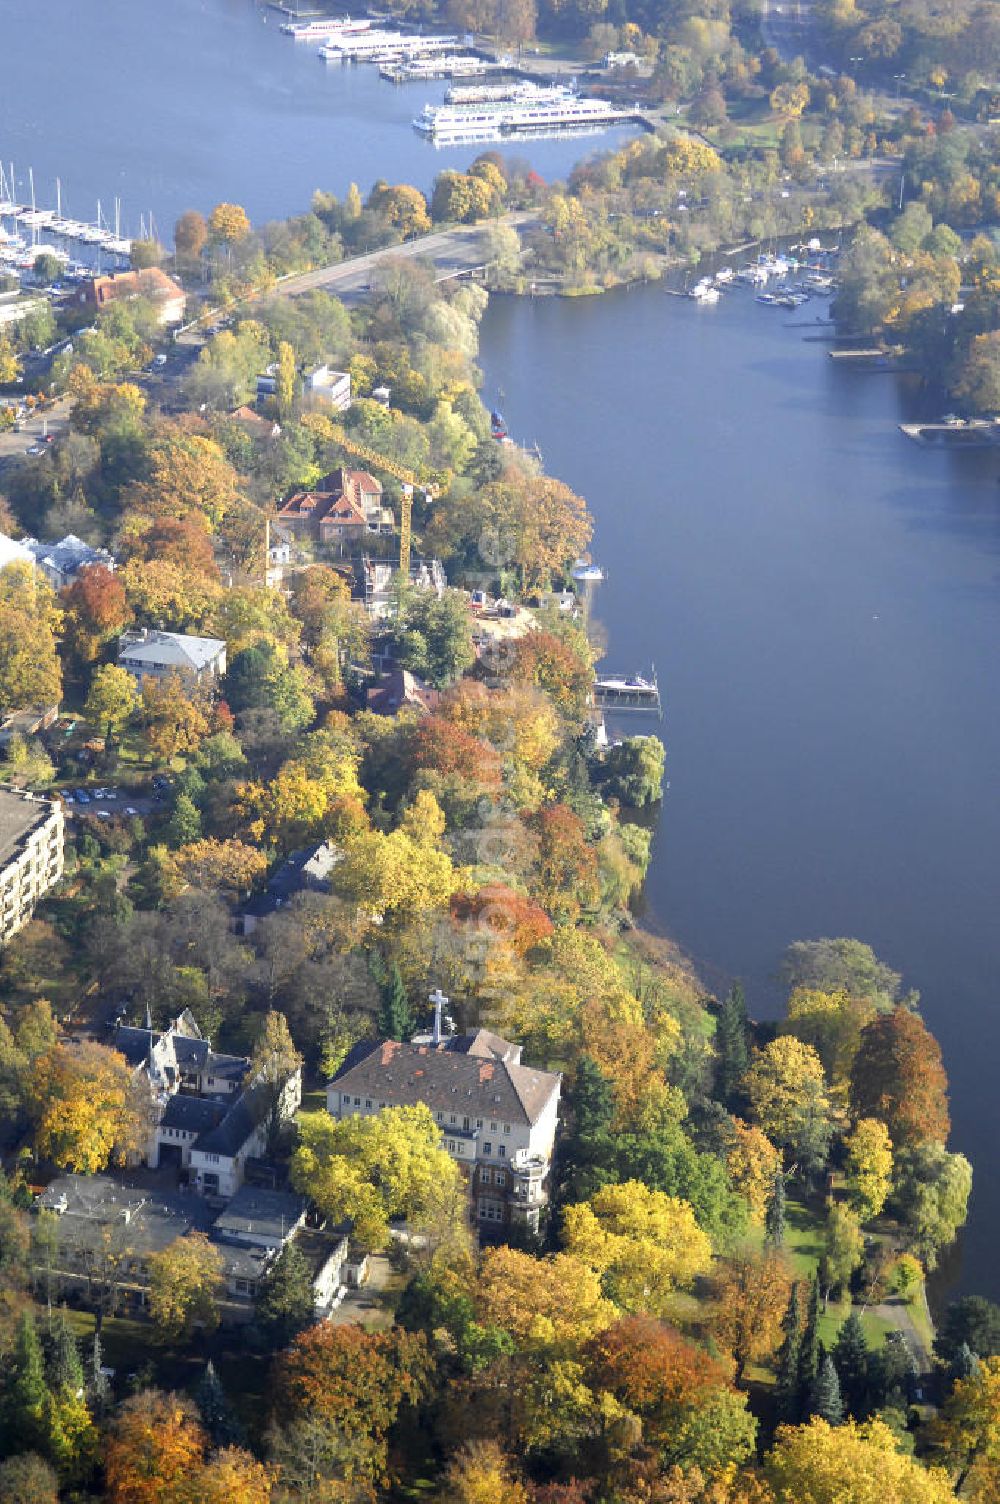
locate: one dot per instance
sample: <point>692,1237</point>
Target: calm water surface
<point>170,106</point>
<point>822,603</point>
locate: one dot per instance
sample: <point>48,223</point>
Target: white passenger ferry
<point>480,123</point>
<point>328,26</point>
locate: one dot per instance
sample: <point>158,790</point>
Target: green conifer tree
<point>285,1305</point>
<point>851,1360</point>
<point>395,1020</point>
<point>732,1044</point>
<point>63,1368</point>
<point>184,825</point>
<point>216,1412</point>
<point>809,1350</point>
<point>774,1216</point>
<point>825,1400</point>
<point>27,1395</point>
<point>787,1384</point>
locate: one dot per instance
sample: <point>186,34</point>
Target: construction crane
<point>409,482</point>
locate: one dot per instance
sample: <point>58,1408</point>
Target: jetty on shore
<point>960,433</point>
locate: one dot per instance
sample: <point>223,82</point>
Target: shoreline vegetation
<point>725,1300</point>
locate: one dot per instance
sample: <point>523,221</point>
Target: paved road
<point>449,250</point>
<point>13,446</point>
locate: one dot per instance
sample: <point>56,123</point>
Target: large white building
<point>210,1118</point>
<point>498,1117</point>
<point>157,655</point>
<point>31,855</point>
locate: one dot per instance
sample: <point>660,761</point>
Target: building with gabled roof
<point>210,1118</point>
<point>149,282</point>
<point>156,655</point>
<point>498,1117</point>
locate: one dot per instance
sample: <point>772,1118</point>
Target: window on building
<point>466,1124</point>
<point>479,1122</point>
<point>485,1177</point>
<point>502,1151</point>
<point>368,1102</point>
<point>357,1101</point>
<point>500,1178</point>
<point>487,1148</point>
<point>506,1127</point>
<point>493,1127</point>
<point>453,1119</point>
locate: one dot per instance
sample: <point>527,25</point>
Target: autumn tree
<point>550,1306</point>
<point>869,1166</point>
<point>369,1169</point>
<point>481,1474</point>
<point>28,1479</point>
<point>229,866</point>
<point>356,1382</point>
<point>85,1105</point>
<point>644,1244</point>
<point>849,1464</point>
<point>753,1162</point>
<point>30,626</point>
<point>831,1022</point>
<point>899,1078</point>
<point>751,1297</point>
<point>273,1064</point>
<point>111,698</point>
<point>97,610</point>
<point>967,1434</point>
<point>185,1282</point>
<point>566,881</point>
<point>155,1447</point>
<point>681,1394</point>
<point>404,207</point>
<point>787,1090</point>
<point>232,1476</point>
<point>843,1248</point>
<point>190,234</point>
<point>228,223</point>
<point>176,715</point>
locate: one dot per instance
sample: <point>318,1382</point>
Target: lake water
<point>821,600</point>
<point>177,106</point>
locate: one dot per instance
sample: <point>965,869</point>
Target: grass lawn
<point>128,1345</point>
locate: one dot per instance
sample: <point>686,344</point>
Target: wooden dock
<point>967,433</point>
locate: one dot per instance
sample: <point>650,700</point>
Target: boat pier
<point>958,433</point>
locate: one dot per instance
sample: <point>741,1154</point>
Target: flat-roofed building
<point>31,855</point>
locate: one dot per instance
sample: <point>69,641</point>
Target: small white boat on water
<point>587,574</point>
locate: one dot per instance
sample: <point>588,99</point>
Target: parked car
<point>82,797</point>
<point>130,810</point>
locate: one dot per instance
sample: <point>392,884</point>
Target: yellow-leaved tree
<point>185,1284</point>
<point>869,1167</point>
<point>550,1307</point>
<point>850,1464</point>
<point>87,1107</point>
<point>370,1169</point>
<point>643,1243</point>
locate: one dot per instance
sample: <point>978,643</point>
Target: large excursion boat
<point>548,110</point>
<point>326,26</point>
